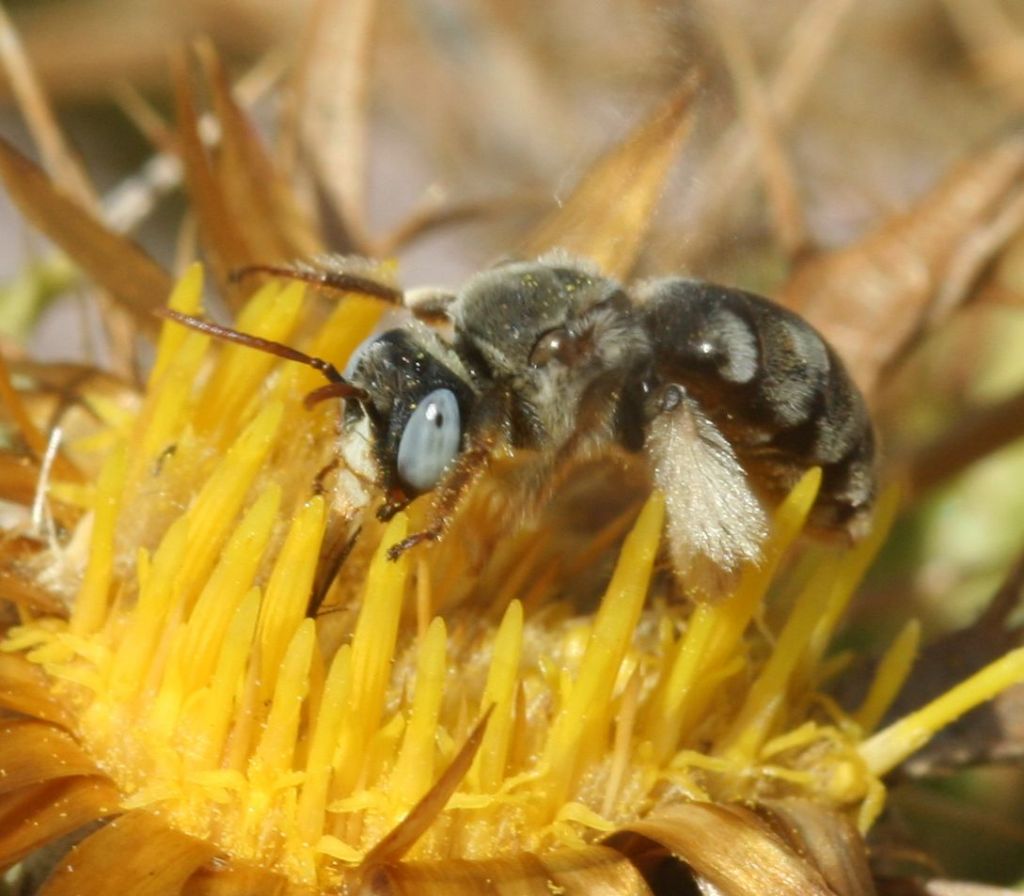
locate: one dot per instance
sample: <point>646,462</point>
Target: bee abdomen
<point>771,384</point>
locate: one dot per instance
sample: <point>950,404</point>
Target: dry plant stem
<point>119,266</point>
<point>874,298</point>
<point>982,23</point>
<point>729,170</point>
<point>134,199</point>
<point>779,179</point>
<point>248,176</point>
<point>31,99</point>
<point>331,109</point>
<point>225,242</point>
<point>433,216</point>
<point>143,115</point>
<point>67,172</point>
<point>971,439</point>
<point>974,254</point>
<point>36,441</point>
<point>993,40</point>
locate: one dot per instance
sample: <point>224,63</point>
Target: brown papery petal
<point>35,816</point>
<point>113,261</point>
<point>594,871</point>
<point>226,246</point>
<point>252,186</point>
<point>24,688</point>
<point>151,860</point>
<point>31,752</point>
<point>730,847</point>
<point>607,216</point>
<point>827,838</point>
<point>241,881</point>
<point>874,298</point>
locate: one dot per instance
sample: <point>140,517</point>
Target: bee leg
<point>448,495</point>
<point>396,550</point>
<point>320,480</point>
<point>396,501</point>
<point>489,428</point>
<point>714,521</point>
<point>597,435</point>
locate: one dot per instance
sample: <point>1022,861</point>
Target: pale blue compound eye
<point>429,441</point>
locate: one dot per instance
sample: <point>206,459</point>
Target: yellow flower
<point>451,718</point>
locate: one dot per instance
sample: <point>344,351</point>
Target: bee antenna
<point>336,281</point>
<point>341,386</point>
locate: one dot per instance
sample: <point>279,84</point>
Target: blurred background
<point>829,137</point>
<point>503,101</point>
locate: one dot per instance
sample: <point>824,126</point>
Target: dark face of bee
<point>417,410</point>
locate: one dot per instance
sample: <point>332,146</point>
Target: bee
<point>725,396</point>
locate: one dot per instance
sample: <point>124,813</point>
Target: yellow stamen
<point>186,297</point>
<point>499,692</point>
<point>289,587</point>
<point>715,629</point>
<point>891,675</point>
<point>204,691</point>
<point>414,767</point>
<point>226,587</point>
<point>90,608</point>
<point>165,411</point>
<point>373,644</point>
<point>213,512</point>
<point>333,706</point>
<point>272,314</point>
<point>209,714</point>
<point>579,730</point>
<point>890,746</point>
<point>275,750</point>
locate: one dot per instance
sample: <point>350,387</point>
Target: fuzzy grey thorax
<point>506,313</point>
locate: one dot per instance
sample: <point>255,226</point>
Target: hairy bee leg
<point>319,481</point>
<point>713,520</point>
<point>595,437</point>
<point>396,550</point>
<point>448,496</point>
<point>491,429</point>
<point>395,502</point>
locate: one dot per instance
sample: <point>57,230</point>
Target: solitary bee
<point>728,397</point>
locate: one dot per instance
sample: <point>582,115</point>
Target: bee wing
<point>714,521</point>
